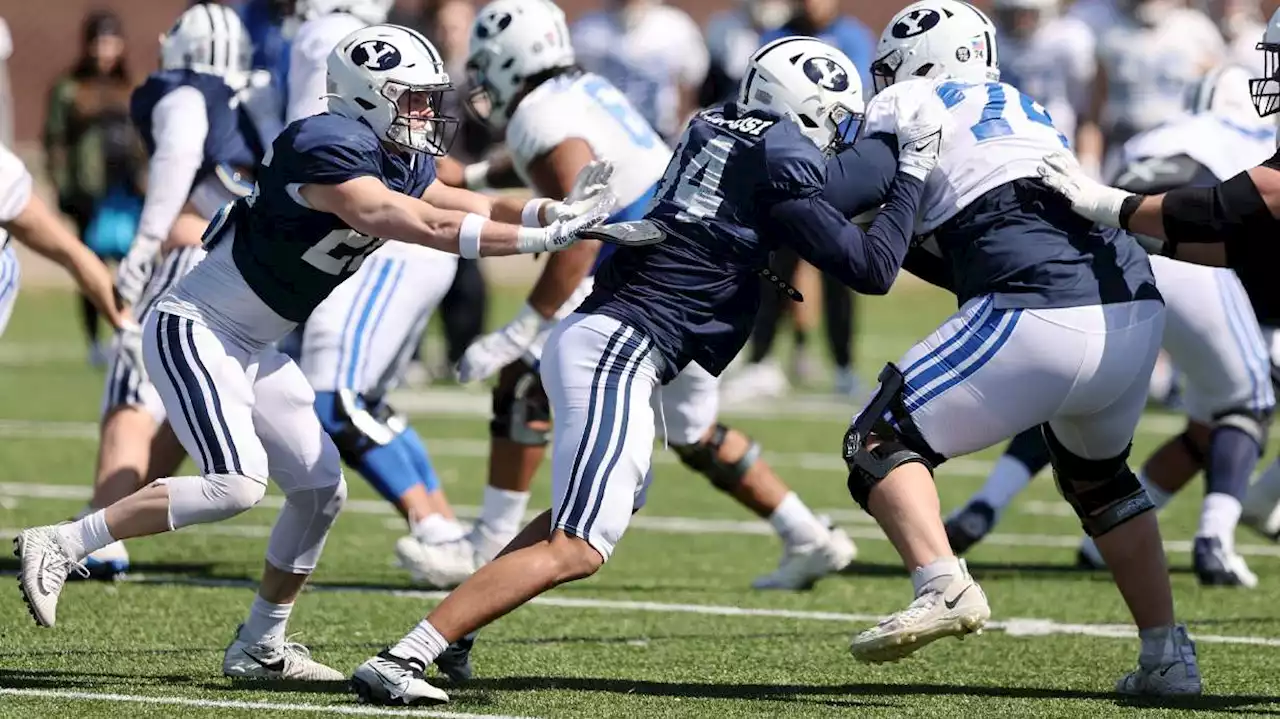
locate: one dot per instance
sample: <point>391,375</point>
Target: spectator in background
<point>763,376</point>
<point>732,37</point>
<point>651,52</point>
<point>271,25</point>
<point>90,145</point>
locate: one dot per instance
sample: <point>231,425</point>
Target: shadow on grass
<point>995,570</point>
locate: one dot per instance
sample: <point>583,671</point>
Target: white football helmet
<point>1021,18</point>
<point>1265,90</point>
<point>392,79</point>
<point>937,38</point>
<point>372,12</point>
<point>512,42</point>
<point>211,39</point>
<point>811,82</point>
<point>1224,90</point>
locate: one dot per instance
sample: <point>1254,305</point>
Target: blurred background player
<point>206,125</point>
<point>733,36</point>
<point>357,342</point>
<point>1146,63</point>
<point>1211,333</point>
<point>653,53</point>
<point>558,118</point>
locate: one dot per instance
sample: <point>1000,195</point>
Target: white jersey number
<point>994,121</point>
<point>340,251</point>
<point>700,198</point>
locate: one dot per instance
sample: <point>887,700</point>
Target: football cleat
<point>110,562</point>
<point>801,567</point>
<point>43,568</point>
<point>1166,667</point>
<point>287,661</point>
<point>455,661</point>
<point>950,608</point>
<point>1216,566</point>
<point>969,526</point>
<point>441,566</point>
<point>395,681</point>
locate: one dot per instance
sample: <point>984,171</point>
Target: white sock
<point>503,510</point>
<point>85,536</point>
<point>1007,479</point>
<point>795,524</point>
<point>266,622</point>
<point>941,567</point>
<point>423,643</point>
<point>436,529</point>
<point>1158,496</point>
<point>1219,516</point>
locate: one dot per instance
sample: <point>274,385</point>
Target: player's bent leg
<point>519,431</point>
<point>1235,446</point>
<point>1022,459</point>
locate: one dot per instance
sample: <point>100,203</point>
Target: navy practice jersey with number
<point>741,184</point>
<point>291,255</point>
<point>225,143</point>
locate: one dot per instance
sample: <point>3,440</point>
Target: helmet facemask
<point>485,101</point>
<point>884,71</point>
<point>419,123</point>
<point>1265,90</point>
<point>844,125</point>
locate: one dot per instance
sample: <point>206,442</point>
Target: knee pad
<point>521,410</point>
<point>900,442</point>
<point>704,458</point>
<point>1255,423</point>
<point>299,534</point>
<point>1105,493</point>
<point>355,426</point>
<point>210,498</point>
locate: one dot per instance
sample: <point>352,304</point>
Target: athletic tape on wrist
<point>531,215</point>
<point>469,235</point>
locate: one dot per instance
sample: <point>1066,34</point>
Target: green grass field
<point>669,628</point>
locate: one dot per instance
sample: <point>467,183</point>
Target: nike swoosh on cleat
<point>276,666</point>
<point>951,603</point>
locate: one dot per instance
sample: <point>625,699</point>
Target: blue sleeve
<point>867,262</point>
<point>859,178</point>
<point>323,152</point>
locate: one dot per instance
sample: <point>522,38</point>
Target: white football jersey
<point>996,134</point>
<point>1224,145</point>
<point>1055,66</point>
<point>586,106</point>
<point>308,58</point>
<point>15,189</point>
<point>1150,69</point>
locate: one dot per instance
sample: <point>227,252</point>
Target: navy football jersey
<point>740,183</point>
<point>293,256</point>
<point>226,142</point>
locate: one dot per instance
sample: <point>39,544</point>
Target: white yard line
<point>347,710</point>
<point>15,491</point>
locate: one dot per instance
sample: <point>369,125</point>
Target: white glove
<point>127,346</point>
<point>919,130</point>
<point>564,233</point>
<point>588,189</point>
<point>496,350</point>
<point>1089,198</point>
<point>135,269</point>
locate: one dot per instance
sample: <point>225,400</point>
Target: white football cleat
<point>43,569</point>
<point>287,661</point>
<point>802,566</point>
<point>754,381</point>
<point>110,562</point>
<point>1217,565</point>
<point>392,680</point>
<point>441,566</point>
<point>1166,667</point>
<point>952,609</point>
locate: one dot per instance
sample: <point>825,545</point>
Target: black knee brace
<point>521,410</point>
<point>897,446</point>
<point>704,458</point>
<point>1105,493</point>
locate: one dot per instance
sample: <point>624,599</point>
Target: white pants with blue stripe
<point>987,374</point>
<point>601,377</point>
<point>363,334</point>
<point>125,385</point>
<point>238,410</point>
<point>10,278</point>
<point>1212,335</point>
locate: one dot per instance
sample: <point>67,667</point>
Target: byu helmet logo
<point>376,55</point>
<point>915,22</point>
<point>826,74</point>
<point>492,24</point>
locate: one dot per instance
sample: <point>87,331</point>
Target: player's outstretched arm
<point>589,187</point>
<point>369,207</point>
<point>40,229</point>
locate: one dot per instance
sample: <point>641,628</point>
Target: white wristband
<point>531,240</point>
<point>469,236</point>
<point>476,176</point>
<point>531,215</point>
